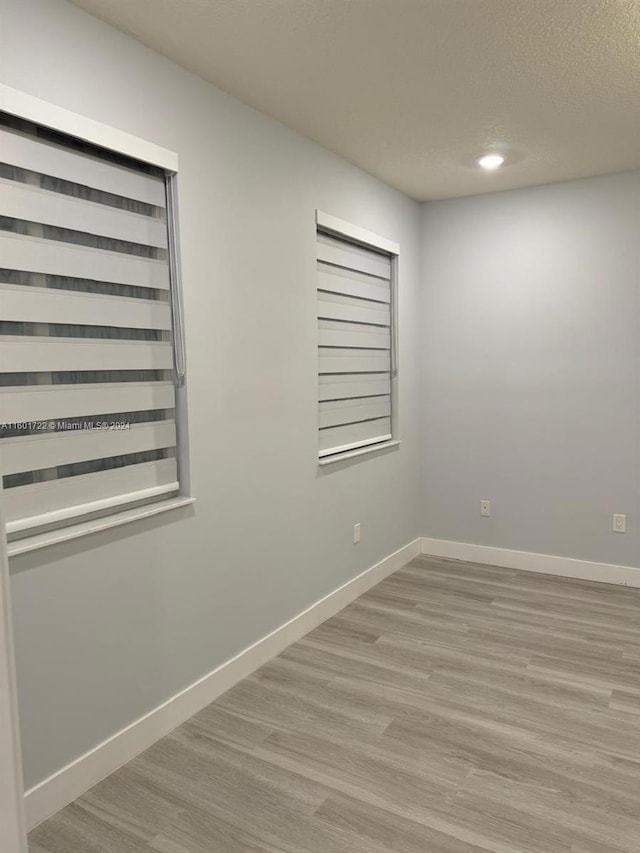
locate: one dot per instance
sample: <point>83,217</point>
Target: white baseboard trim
<point>544,563</point>
<point>71,781</point>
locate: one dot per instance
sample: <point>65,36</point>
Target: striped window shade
<point>87,390</point>
<point>355,344</point>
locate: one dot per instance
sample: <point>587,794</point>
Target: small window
<point>90,344</point>
<point>356,338</point>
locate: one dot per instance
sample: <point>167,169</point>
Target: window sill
<point>64,534</point>
<point>361,451</point>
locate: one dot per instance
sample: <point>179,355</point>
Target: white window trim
<point>30,108</point>
<point>59,516</point>
<point>34,109</point>
<point>361,451</point>
<point>96,525</point>
<point>343,228</point>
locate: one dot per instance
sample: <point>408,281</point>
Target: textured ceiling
<point>414,90</point>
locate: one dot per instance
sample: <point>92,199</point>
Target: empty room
<point>319,426</point>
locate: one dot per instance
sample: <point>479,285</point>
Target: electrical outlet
<point>619,523</point>
<point>356,533</point>
<point>485,508</point>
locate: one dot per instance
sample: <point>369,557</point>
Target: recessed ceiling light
<point>490,161</point>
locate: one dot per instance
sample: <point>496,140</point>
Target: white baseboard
<point>529,562</point>
<point>73,780</point>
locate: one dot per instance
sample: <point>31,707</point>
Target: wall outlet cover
<point>619,523</point>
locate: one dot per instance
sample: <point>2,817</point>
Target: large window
<point>357,342</point>
<point>90,343</point>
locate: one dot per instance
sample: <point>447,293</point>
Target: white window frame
<point>33,109</point>
<point>341,228</point>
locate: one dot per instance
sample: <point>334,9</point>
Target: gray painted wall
<point>110,626</point>
<point>519,357</point>
<point>531,381</point>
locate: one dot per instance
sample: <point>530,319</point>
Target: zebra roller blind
<point>355,344</point>
<point>87,397</point>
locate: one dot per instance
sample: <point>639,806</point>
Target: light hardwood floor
<point>454,708</point>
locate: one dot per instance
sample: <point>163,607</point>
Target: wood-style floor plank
<point>454,708</point>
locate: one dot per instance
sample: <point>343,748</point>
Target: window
<point>357,363</point>
<point>90,332</point>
